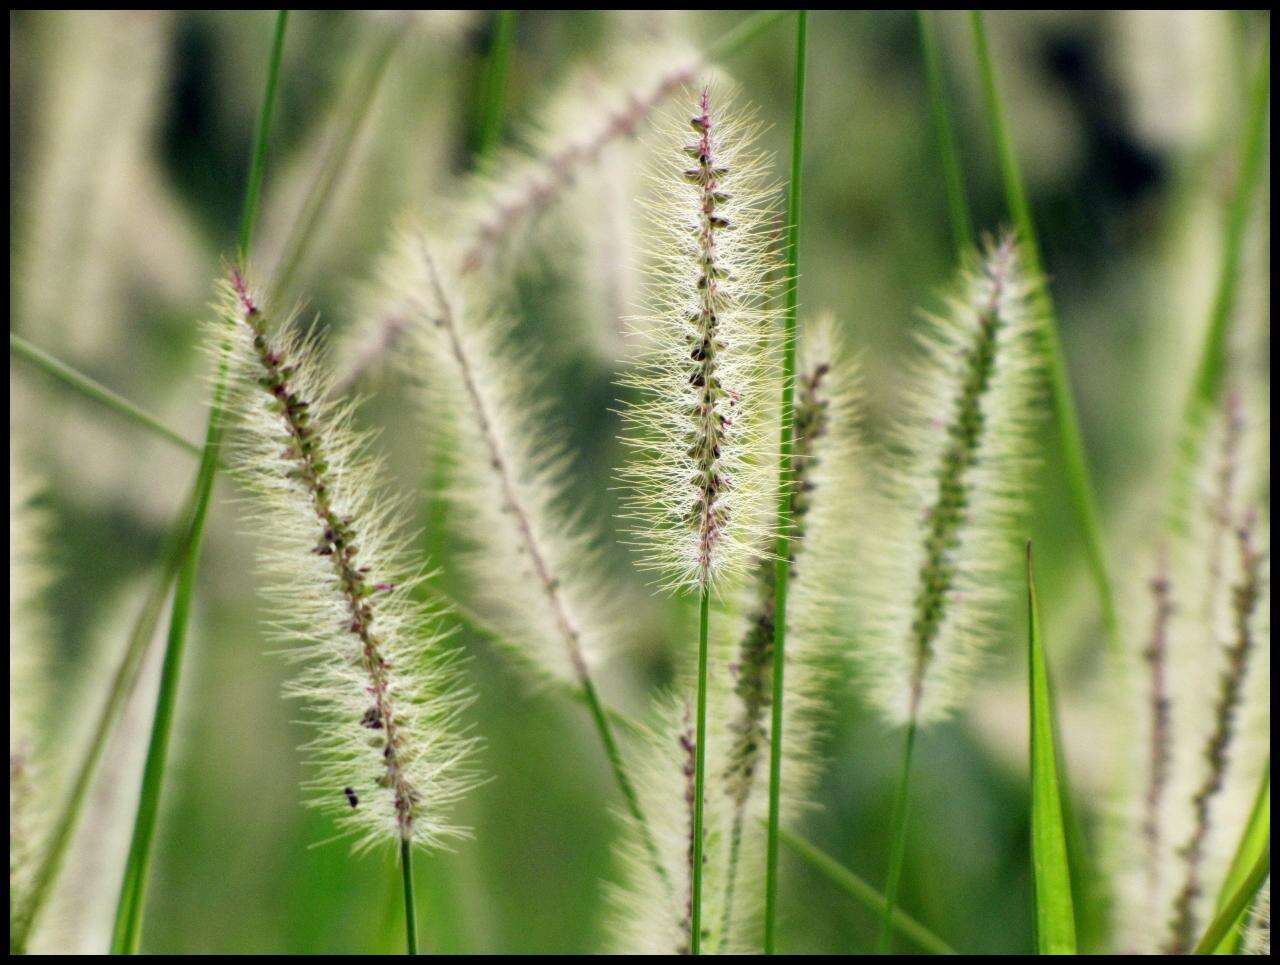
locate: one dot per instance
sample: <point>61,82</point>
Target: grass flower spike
<point>379,688</point>
<point>955,486</point>
<point>700,481</point>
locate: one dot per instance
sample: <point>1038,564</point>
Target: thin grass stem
<point>944,132</point>
<point>897,854</point>
<point>62,372</point>
<point>700,768</point>
<point>782,549</point>
<point>410,910</point>
<point>257,167</point>
<point>1075,462</point>
<point>127,933</point>
<point>863,893</point>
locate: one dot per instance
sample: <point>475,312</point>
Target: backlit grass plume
<point>651,912</point>
<point>375,677</point>
<point>534,567</point>
<point>699,480</point>
<point>825,486</point>
<point>943,544</point>
<point>536,570</point>
<point>1257,933</point>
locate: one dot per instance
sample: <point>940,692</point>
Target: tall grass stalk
<point>353,114</point>
<point>863,893</point>
<point>127,933</point>
<point>945,135</point>
<point>782,547</point>
<point>699,483</point>
<point>1075,461</point>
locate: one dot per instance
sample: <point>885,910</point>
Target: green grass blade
<point>944,132</point>
<point>1255,840</point>
<point>1206,385</point>
<point>898,847</point>
<point>494,99</point>
<point>863,893</point>
<point>1055,911</point>
<point>1075,462</point>
<point>1238,902</point>
<point>127,933</point>
<point>57,369</point>
<point>782,550</point>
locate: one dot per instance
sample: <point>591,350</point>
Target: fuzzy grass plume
<point>955,484</point>
<point>651,911</point>
<point>377,682</point>
<point>534,565</point>
<point>698,484</point>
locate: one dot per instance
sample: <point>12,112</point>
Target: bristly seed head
<point>383,697</point>
<point>698,479</point>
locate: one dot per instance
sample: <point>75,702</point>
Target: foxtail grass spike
<point>699,480</point>
<point>379,686</point>
<point>954,487</point>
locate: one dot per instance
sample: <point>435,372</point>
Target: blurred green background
<point>129,138</point>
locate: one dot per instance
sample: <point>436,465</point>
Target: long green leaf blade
<point>1255,840</point>
<point>1237,903</point>
<point>1054,909</point>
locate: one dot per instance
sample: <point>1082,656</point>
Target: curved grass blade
<point>1255,840</point>
<point>1055,911</point>
<point>57,369</point>
<point>1238,902</point>
<point>127,933</point>
<point>1075,462</point>
<point>863,893</point>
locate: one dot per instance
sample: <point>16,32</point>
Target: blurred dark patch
<point>1091,213</point>
<point>198,148</point>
